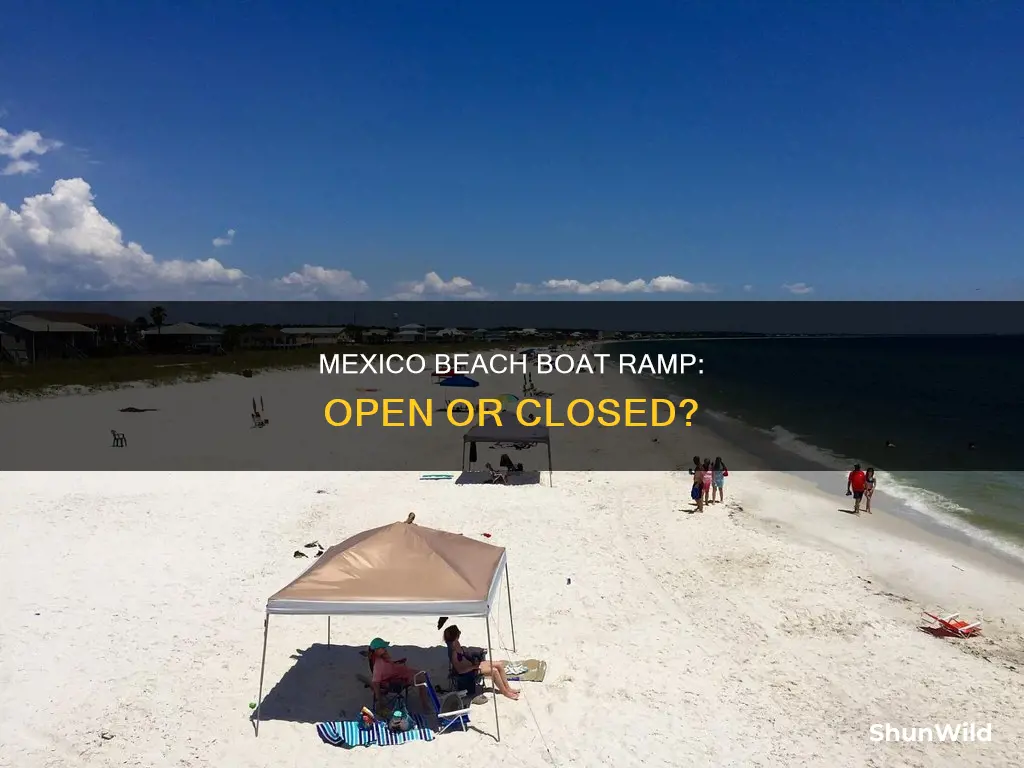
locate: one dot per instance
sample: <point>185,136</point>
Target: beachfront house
<point>376,336</point>
<point>410,335</point>
<point>183,337</point>
<point>317,336</point>
<point>265,338</point>
<point>112,333</point>
<point>450,334</point>
<point>35,338</point>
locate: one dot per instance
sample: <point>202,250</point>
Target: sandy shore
<point>773,630</point>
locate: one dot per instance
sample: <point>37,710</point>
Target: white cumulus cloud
<point>226,239</point>
<point>433,286</point>
<point>799,289</point>
<point>313,282</point>
<point>611,286</point>
<point>58,246</point>
<point>18,147</point>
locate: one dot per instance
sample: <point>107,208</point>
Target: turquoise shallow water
<point>833,401</point>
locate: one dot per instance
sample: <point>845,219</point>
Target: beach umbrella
<point>459,381</point>
<point>508,401</point>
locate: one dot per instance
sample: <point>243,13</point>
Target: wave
<point>930,505</point>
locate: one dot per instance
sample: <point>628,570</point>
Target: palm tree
<point>159,316</point>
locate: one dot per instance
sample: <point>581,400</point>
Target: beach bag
<point>725,473</point>
<point>400,721</point>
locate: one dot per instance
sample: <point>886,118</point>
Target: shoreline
<point>990,541</point>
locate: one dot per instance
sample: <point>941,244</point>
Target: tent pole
<point>508,591</point>
<point>550,468</point>
<point>494,693</point>
<point>328,630</point>
<point>463,455</point>
<point>263,667</point>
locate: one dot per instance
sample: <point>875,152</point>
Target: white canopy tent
<point>397,570</point>
<point>512,432</point>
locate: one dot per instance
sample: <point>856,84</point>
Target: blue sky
<point>862,150</point>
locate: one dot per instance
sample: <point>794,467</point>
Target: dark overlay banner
<point>502,391</point>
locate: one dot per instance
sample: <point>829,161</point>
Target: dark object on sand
<point>120,441</point>
<point>319,553</point>
<point>442,621</point>
<point>410,518</point>
<point>313,545</point>
<point>505,462</point>
<point>247,373</point>
<point>132,409</point>
<point>299,553</point>
<point>258,420</point>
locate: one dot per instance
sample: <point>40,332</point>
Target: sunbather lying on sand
<point>462,662</point>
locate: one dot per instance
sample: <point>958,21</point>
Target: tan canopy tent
<point>400,569</point>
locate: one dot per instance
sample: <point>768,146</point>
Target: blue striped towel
<point>352,733</point>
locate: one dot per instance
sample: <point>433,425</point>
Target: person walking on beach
<point>706,477</point>
<point>869,488</point>
<point>697,490</point>
<point>718,473</point>
<point>855,485</point>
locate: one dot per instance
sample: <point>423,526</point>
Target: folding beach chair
<point>954,625</point>
<point>452,711</point>
<point>468,685</point>
<point>393,695</point>
<point>498,477</point>
<point>119,439</point>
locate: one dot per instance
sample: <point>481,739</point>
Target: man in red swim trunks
<point>855,485</point>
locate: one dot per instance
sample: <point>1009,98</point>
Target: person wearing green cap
<point>389,673</point>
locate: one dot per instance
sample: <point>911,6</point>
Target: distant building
<point>267,338</point>
<point>316,336</point>
<point>35,338</point>
<point>183,337</point>
<point>410,334</point>
<point>110,329</point>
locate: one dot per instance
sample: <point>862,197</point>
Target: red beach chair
<point>954,625</point>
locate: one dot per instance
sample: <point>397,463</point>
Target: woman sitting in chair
<point>463,662</point>
<point>388,674</point>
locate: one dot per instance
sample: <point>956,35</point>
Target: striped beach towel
<point>352,733</point>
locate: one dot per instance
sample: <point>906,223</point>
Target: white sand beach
<point>772,630</point>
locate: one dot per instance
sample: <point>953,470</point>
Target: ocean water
<point>952,409</point>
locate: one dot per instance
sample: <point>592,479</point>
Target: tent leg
<point>551,469</point>
<point>463,456</point>
<point>328,630</point>
<point>511,622</point>
<point>263,668</point>
<point>494,694</point>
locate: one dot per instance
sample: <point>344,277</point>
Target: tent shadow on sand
<point>527,477</point>
<point>325,682</point>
